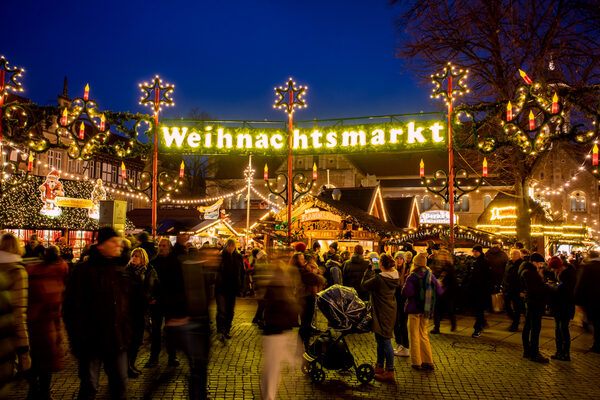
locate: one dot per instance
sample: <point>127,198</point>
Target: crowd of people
<point>100,307</point>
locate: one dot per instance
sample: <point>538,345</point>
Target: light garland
<point>276,208</point>
<point>203,200</point>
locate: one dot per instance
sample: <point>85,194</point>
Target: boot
<point>379,369</point>
<point>386,376</point>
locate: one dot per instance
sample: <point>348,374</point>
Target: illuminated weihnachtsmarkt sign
<point>390,137</point>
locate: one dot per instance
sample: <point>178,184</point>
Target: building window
<point>487,199</point>
<point>426,203</point>
<point>54,159</point>
<point>107,171</point>
<point>578,202</point>
<point>464,204</point>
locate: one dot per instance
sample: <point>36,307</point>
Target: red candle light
<point>30,163</point>
<point>86,92</point>
<point>314,172</point>
<point>554,103</point>
<point>181,169</point>
<point>509,115</point>
<point>65,118</point>
<point>531,121</point>
<point>595,154</point>
<point>81,131</point>
<point>422,168</point>
<point>485,171</point>
<point>266,172</point>
<point>102,122</point>
<point>526,78</point>
<point>123,171</point>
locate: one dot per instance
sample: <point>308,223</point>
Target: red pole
<point>1,104</point>
<point>450,166</point>
<point>155,163</point>
<point>289,181</point>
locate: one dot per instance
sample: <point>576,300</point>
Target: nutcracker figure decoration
<point>50,190</point>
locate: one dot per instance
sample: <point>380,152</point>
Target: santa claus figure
<point>50,190</point>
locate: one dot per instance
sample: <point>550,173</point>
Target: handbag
<point>498,302</point>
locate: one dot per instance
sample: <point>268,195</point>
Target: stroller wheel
<point>317,375</point>
<point>306,368</point>
<point>365,373</point>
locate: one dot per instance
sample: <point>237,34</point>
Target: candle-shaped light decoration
<point>531,121</point>
<point>30,163</point>
<point>485,172</point>
<point>422,168</point>
<point>314,171</point>
<point>555,103</point>
<point>81,130</point>
<point>86,92</point>
<point>65,117</point>
<point>102,122</point>
<point>266,172</point>
<point>509,111</point>
<point>123,171</point>
<point>595,154</point>
<point>181,169</point>
<point>526,78</point>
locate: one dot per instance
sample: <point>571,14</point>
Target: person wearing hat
<point>401,325</point>
<point>479,289</point>
<point>532,273</point>
<point>421,290</point>
<point>96,314</point>
<point>353,271</point>
<point>563,306</point>
<point>333,248</point>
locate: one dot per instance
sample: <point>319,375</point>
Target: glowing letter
<point>208,140</point>
<point>298,137</point>
<point>352,138</point>
<point>277,141</point>
<point>394,133</point>
<point>226,137</point>
<point>414,134</point>
<point>316,137</point>
<point>377,137</point>
<point>194,139</point>
<point>262,141</point>
<point>435,129</point>
<point>331,139</point>
<point>178,137</point>
<point>244,141</point>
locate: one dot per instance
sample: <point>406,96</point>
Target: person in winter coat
<point>421,290</point>
<point>7,337</point>
<point>333,270</point>
<point>47,341</point>
<point>532,282</point>
<point>382,288</point>
<point>227,287</point>
<point>310,283</point>
<point>401,325</point>
<point>354,270</point>
<point>280,314</point>
<point>443,270</point>
<point>96,314</point>
<point>563,306</point>
<point>146,244</point>
<point>333,249</point>
<point>33,248</point>
<point>587,294</point>
<point>512,289</point>
<point>496,259</point>
<point>479,288</point>
<point>144,284</point>
<point>11,267</point>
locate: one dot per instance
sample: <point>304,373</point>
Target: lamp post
<point>8,81</point>
<point>249,173</point>
<point>290,97</point>
<point>155,95</point>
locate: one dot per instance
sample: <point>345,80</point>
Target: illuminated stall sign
<point>436,217</point>
<point>392,137</point>
<point>313,214</point>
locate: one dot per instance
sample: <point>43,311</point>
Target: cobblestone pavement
<point>489,367</point>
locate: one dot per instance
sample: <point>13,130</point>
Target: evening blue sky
<point>223,57</point>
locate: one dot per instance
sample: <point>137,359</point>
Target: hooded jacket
<point>353,273</point>
<point>382,288</point>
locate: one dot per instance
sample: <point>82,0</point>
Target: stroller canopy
<point>343,308</point>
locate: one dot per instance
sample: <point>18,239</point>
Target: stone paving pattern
<point>490,367</point>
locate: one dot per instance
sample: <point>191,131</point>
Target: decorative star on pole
<point>459,86</point>
<point>290,96</point>
<point>156,94</point>
<point>9,76</point>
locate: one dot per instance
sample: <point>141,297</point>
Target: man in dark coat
<point>227,287</point>
<point>512,289</point>
<point>562,305</point>
<point>479,289</point>
<point>333,250</point>
<point>33,248</point>
<point>147,244</point>
<point>96,315</point>
<point>587,294</point>
<point>497,260</point>
<point>531,273</point>
<point>354,270</point>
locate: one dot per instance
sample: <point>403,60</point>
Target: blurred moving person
<point>227,286</point>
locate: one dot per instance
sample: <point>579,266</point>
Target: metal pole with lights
<point>249,173</point>
<point>156,95</point>
<point>8,82</point>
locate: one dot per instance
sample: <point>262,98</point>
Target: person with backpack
<point>333,270</point>
<point>382,288</point>
<point>421,290</point>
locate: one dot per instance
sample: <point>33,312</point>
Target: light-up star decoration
<point>156,94</point>
<point>8,77</point>
<point>290,96</point>
<point>454,87</point>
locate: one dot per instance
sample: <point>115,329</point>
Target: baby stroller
<point>346,313</point>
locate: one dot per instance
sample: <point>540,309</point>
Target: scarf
<point>428,294</point>
<point>137,270</point>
